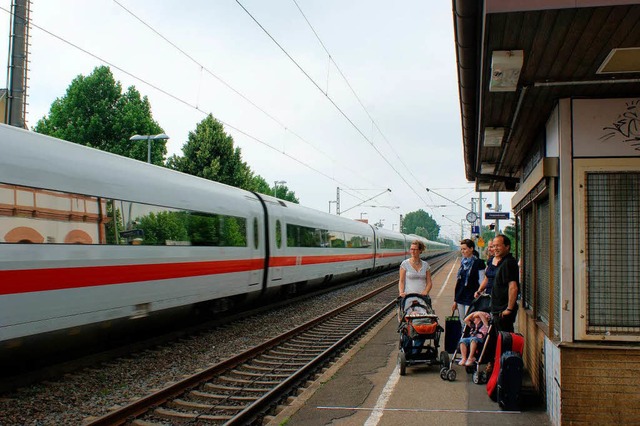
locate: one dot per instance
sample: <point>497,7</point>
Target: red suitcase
<point>506,374</point>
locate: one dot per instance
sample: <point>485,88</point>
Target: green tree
<point>210,154</point>
<point>284,193</point>
<point>421,223</point>
<point>94,112</point>
<point>163,226</point>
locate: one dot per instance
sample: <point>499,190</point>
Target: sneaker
<point>463,361</point>
<point>470,362</point>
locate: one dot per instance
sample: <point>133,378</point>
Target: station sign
<point>497,215</point>
<point>475,229</point>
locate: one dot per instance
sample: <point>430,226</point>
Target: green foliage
<point>94,112</point>
<point>282,192</point>
<point>162,227</point>
<point>210,154</point>
<point>421,223</point>
<point>260,185</point>
<point>113,226</point>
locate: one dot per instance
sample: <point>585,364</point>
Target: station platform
<point>365,387</point>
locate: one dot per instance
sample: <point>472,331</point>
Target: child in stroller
<point>419,333</point>
<point>471,344</point>
<point>478,323</point>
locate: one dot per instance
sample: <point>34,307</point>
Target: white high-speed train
<point>89,239</point>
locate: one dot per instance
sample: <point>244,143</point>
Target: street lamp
<point>148,138</point>
<point>275,186</point>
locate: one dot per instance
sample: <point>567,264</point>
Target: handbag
<point>452,333</point>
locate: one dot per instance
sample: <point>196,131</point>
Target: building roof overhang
<point>566,48</point>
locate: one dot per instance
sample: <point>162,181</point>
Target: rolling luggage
<point>510,381</point>
<point>505,382</point>
<point>452,333</point>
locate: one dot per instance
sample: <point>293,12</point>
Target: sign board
<point>133,233</point>
<point>497,215</point>
<point>475,229</point>
<point>481,242</point>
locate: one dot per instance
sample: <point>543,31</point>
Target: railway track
<point>249,386</point>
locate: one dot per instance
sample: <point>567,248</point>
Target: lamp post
<point>275,186</point>
<point>148,138</point>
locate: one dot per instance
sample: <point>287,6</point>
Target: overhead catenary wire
<point>184,102</point>
<point>234,90</point>
<point>346,80</point>
<point>329,98</point>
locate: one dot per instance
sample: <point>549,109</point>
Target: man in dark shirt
<point>504,295</point>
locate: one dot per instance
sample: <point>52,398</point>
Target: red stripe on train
<point>31,280</point>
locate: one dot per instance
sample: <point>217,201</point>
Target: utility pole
<point>16,108</point>
<point>338,201</point>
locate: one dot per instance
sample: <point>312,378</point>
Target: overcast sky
<point>398,57</point>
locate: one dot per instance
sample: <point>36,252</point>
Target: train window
<point>255,233</point>
<point>136,223</point>
<point>357,241</point>
<point>59,217</point>
<point>278,234</point>
<point>336,239</point>
<point>304,236</point>
<point>388,243</point>
<point>43,216</point>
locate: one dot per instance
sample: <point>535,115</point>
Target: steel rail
<point>258,408</point>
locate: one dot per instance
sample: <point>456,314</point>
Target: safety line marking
<point>383,399</point>
<point>447,280</point>
<point>419,410</point>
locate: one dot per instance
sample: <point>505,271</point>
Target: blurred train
<point>90,240</point>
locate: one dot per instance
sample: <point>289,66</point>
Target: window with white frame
<point>607,252</point>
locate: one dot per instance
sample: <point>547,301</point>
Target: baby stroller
<point>419,333</point>
<point>481,303</point>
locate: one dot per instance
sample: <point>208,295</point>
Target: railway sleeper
<point>289,353</point>
<point>267,383</point>
<point>220,397</point>
<point>272,367</point>
<point>277,363</point>
<point>226,388</point>
<point>188,417</point>
<point>243,373</point>
<point>191,405</point>
<point>309,344</point>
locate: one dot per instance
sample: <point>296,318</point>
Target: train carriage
<point>114,237</point>
<point>91,241</point>
<point>390,248</point>
<point>310,246</point>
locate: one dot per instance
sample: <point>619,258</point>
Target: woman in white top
<point>415,273</point>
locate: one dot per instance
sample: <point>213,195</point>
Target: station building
<point>550,105</point>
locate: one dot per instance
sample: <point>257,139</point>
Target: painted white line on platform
<point>383,399</point>
<point>418,410</point>
<point>447,280</point>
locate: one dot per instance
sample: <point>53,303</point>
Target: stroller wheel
<point>443,373</point>
<point>451,375</point>
<point>444,359</point>
<point>483,377</point>
<point>402,362</point>
<point>476,377</point>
